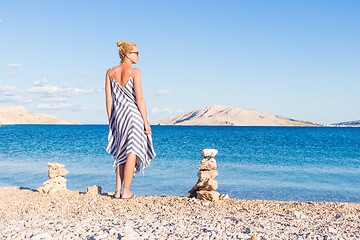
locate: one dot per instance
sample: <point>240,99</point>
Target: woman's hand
<point>147,128</point>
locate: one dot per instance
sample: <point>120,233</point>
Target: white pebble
<point>41,236</point>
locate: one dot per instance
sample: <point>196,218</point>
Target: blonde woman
<point>129,139</point>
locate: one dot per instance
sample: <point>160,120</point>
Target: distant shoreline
<point>221,115</point>
<point>330,126</point>
<point>13,115</point>
<point>100,124</point>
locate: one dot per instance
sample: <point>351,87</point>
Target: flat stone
<point>62,171</point>
<point>130,236</point>
<point>299,215</point>
<point>93,190</point>
<point>40,189</point>
<point>206,160</point>
<point>209,185</point>
<point>209,153</point>
<point>193,190</point>
<point>53,185</point>
<point>52,173</point>
<point>56,188</point>
<point>208,195</point>
<point>101,236</point>
<point>56,171</point>
<point>206,174</point>
<point>55,165</point>
<point>41,236</point>
<point>193,200</point>
<point>224,196</point>
<point>57,180</point>
<point>208,164</point>
<point>46,188</point>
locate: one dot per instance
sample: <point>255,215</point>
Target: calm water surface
<point>272,163</point>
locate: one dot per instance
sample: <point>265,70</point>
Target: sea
<point>268,163</point>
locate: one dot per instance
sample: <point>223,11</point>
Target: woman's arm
<point>108,94</point>
<point>136,74</point>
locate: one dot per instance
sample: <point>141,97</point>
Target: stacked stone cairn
<point>57,182</point>
<point>205,187</point>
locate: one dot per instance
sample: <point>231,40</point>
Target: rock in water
<point>208,195</point>
<point>209,153</point>
<point>93,190</point>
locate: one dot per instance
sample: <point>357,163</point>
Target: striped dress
<point>126,127</point>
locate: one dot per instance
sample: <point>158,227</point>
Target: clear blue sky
<point>298,59</point>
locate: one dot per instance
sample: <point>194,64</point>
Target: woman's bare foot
<point>127,195</point>
<point>117,194</point>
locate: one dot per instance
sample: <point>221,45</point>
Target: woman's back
<point>121,74</point>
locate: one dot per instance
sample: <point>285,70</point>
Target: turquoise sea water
<point>271,163</point>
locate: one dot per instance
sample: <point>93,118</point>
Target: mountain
<point>231,116</point>
<point>19,115</point>
<point>348,124</point>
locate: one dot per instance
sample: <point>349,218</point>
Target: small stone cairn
<point>93,190</point>
<point>205,186</point>
<point>57,182</point>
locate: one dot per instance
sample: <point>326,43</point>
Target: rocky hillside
<point>19,115</point>
<point>349,124</point>
<point>231,116</point>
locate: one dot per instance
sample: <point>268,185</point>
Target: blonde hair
<point>124,48</point>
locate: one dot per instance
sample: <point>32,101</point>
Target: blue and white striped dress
<point>126,127</point>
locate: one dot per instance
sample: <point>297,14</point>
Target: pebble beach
<point>28,214</point>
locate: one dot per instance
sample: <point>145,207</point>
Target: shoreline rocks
<point>94,190</point>
<point>206,185</point>
<point>57,182</point>
<point>27,214</point>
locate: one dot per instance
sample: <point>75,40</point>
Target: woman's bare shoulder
<point>136,74</point>
<point>135,70</point>
<point>113,70</point>
<point>110,70</point>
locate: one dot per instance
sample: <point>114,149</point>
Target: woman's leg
<point>119,179</point>
<point>128,174</point>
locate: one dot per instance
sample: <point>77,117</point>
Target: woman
<point>129,139</point>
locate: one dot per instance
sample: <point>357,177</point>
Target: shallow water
<point>272,163</point>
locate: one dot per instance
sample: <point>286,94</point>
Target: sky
<point>297,59</point>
